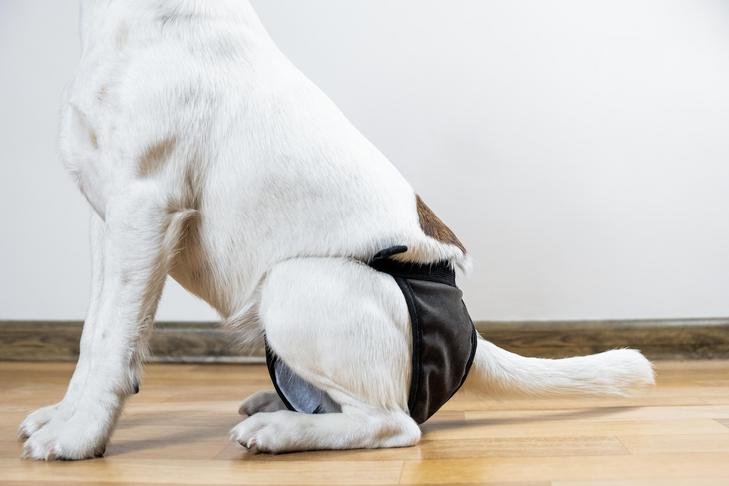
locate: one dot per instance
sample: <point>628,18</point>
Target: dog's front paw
<point>70,439</point>
<point>36,420</point>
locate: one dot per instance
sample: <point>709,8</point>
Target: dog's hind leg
<point>344,328</point>
<point>286,431</point>
<point>137,241</point>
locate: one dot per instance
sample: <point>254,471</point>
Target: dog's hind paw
<point>261,401</point>
<point>259,433</point>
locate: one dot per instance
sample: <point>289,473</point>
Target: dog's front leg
<point>133,248</point>
<point>67,406</point>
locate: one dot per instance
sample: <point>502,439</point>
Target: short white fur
<point>205,154</point>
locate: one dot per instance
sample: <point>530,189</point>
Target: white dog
<point>205,154</point>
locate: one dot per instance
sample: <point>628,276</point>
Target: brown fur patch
<point>102,94</point>
<point>93,140</point>
<point>434,227</point>
<point>155,156</point>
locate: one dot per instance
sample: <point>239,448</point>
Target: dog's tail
<point>497,372</point>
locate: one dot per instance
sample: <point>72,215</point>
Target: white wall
<point>580,149</point>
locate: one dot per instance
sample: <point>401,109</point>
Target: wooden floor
<point>175,432</point>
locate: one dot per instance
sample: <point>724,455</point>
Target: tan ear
<point>434,227</point>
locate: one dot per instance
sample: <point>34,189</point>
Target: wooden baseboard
<point>207,342</point>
